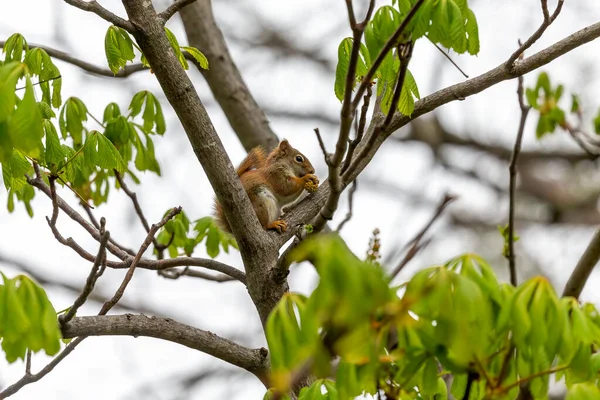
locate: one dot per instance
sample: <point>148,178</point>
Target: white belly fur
<point>271,203</point>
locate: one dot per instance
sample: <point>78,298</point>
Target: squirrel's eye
<point>299,158</point>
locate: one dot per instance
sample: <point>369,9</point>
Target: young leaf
<point>118,48</point>
<point>176,48</point>
<point>25,126</point>
<point>198,56</point>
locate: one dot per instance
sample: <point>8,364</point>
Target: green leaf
<point>25,126</point>
<point>111,112</point>
<point>54,152</point>
<point>118,48</point>
<point>430,378</point>
<point>198,56</point>
<point>176,48</point>
<point>472,30</point>
<point>597,123</point>
<point>108,155</point>
<point>13,48</point>
<point>212,242</point>
<point>341,71</point>
<point>583,391</point>
<point>10,73</point>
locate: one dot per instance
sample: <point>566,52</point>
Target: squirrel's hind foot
<point>279,225</point>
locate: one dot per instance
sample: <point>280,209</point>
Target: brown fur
<point>280,173</point>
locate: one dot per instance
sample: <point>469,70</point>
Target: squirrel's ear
<point>284,146</point>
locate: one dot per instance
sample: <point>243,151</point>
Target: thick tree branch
<point>255,361</point>
<point>245,116</point>
<point>256,246</point>
<point>584,268</point>
<point>94,7</point>
<point>88,67</point>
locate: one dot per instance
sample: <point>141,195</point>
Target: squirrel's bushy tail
<point>254,160</point>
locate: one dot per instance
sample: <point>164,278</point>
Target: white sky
<point>113,368</point>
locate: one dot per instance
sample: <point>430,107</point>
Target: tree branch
<point>350,206</point>
<point>75,216</point>
<point>88,67</point>
<point>121,290</point>
<point>91,279</point>
<point>257,246</point>
<point>512,168</point>
<point>94,7</point>
<point>255,361</point>
<point>548,20</point>
<point>31,378</point>
<point>226,83</point>
<point>473,86</point>
<point>501,73</point>
<point>415,243</point>
<point>584,268</point>
<point>173,8</point>
<point>177,273</point>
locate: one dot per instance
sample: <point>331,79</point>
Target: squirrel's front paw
<point>311,183</point>
<point>279,225</point>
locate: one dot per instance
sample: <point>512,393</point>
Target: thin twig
<point>326,155</point>
<point>38,82</point>
<point>537,34</point>
<point>28,363</point>
<point>415,242</point>
<point>94,7</point>
<point>140,213</point>
<point>174,8</point>
<point>94,222</point>
<point>121,290</point>
<point>177,273</point>
<point>359,131</point>
<point>91,279</point>
<point>512,168</point>
<point>75,216</point>
<point>404,54</point>
<point>389,45</point>
<point>449,59</point>
<point>350,206</point>
<point>31,378</point>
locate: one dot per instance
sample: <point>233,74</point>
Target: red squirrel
<point>272,182</point>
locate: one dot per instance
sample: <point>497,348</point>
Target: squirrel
<point>272,182</point>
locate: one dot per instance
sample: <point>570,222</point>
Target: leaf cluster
<point>119,50</point>
<point>454,319</point>
<point>545,98</point>
<point>73,154</point>
<point>450,23</point>
<point>180,237</point>
<point>27,319</point>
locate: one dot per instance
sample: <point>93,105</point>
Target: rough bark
<point>255,361</point>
